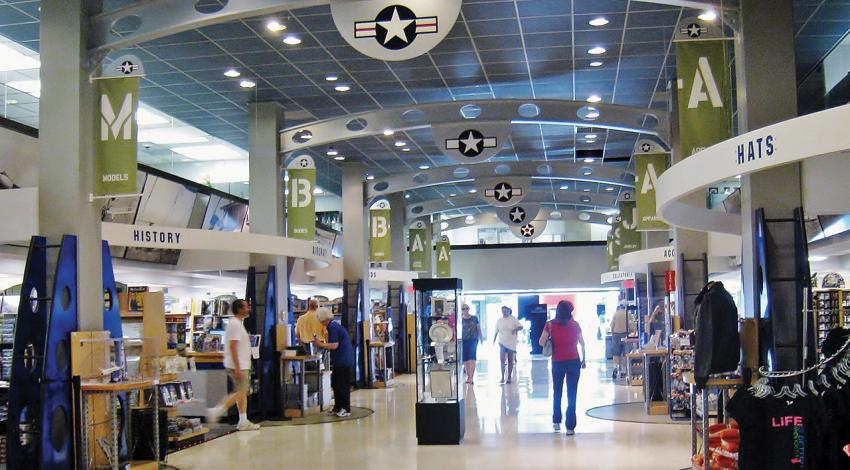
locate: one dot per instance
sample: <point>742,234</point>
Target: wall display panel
<point>123,210</point>
<point>163,203</point>
<point>225,215</point>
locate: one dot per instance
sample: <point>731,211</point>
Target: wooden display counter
<point>206,357</point>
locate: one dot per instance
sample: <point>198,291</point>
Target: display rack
<point>830,308</point>
<point>701,421</point>
<point>681,362</point>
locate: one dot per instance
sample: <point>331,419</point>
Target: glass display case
<point>439,372</point>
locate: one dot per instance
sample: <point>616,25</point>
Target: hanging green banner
<point>705,111</point>
<point>417,246</point>
<point>300,202</point>
<point>380,239</point>
<point>648,168</point>
<point>613,254</point>
<point>626,238</point>
<point>116,136</point>
<point>444,257</point>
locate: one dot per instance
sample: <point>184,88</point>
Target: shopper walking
<point>507,328</point>
<point>619,331</point>
<point>237,361</point>
<point>469,345</point>
<point>342,359</point>
<point>565,334</point>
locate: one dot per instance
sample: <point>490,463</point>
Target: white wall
<point>530,268</point>
<point>18,154</point>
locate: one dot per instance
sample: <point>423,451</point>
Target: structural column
<point>266,192</point>
<point>398,231</point>
<point>66,148</point>
<point>354,223</point>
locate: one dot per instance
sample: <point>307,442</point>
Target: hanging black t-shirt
<point>836,442</point>
<point>777,433</point>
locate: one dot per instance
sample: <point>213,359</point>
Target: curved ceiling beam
<point>651,123</point>
<point>491,218</point>
<point>159,18</point>
<point>559,169</point>
<point>419,209</point>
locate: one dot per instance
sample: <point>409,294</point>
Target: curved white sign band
<point>173,238</point>
<point>642,258</point>
<point>616,276</point>
<point>815,135</point>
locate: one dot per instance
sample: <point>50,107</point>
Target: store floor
<point>507,428</point>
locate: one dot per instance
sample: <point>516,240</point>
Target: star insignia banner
<point>418,243</point>
<point>443,253</point>
<point>501,191</point>
<point>703,86</point>
<point>380,236</point>
<point>301,203</point>
<point>390,30</point>
<point>116,132</point>
<point>650,163</point>
<point>529,231</point>
<point>518,215</point>
<point>467,144</point>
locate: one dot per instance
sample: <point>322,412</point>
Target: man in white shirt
<point>237,361</point>
<point>506,332</point>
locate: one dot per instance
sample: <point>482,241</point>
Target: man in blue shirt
<point>342,357</point>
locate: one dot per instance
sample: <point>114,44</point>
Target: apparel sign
<point>650,163</point>
<point>518,215</point>
<point>529,231</point>
<point>301,205</point>
<point>116,131</point>
<point>443,249</point>
<point>418,243</point>
<point>503,191</point>
<point>387,30</point>
<point>702,65</point>
<point>467,144</point>
<point>626,237</point>
<point>380,239</point>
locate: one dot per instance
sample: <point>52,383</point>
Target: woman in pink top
<point>565,334</point>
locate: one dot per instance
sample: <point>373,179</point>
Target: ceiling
<point>497,49</point>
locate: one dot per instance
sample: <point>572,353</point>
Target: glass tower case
<point>439,371</point>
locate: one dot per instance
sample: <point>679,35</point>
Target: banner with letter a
<point>301,204</point>
<point>380,238</point>
<point>650,163</point>
<point>444,257</point>
<point>704,88</point>
<point>418,244</point>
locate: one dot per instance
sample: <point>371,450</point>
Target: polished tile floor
<point>507,428</point>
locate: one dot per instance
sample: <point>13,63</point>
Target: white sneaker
<point>571,432</point>
<point>556,427</point>
<point>247,426</point>
<point>214,414</point>
<point>343,414</point>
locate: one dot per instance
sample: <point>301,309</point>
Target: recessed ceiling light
<point>590,141</point>
<point>600,21</point>
<point>424,167</point>
<point>564,187</point>
<point>452,195</point>
<point>587,190</point>
<point>339,158</point>
<point>816,258</point>
<point>318,190</point>
<point>473,191</point>
<point>587,173</point>
<point>11,59</point>
<point>405,149</point>
<point>389,132</point>
<point>590,136</point>
<point>275,26</point>
<point>331,78</point>
<point>247,84</point>
<point>597,50</point>
<point>594,99</point>
<point>292,40</point>
<point>708,16</point>
<point>207,152</point>
<point>400,143</point>
<point>286,178</point>
<point>342,88</point>
<point>370,177</point>
<point>16,102</point>
<point>609,188</point>
<point>588,160</point>
<point>332,152</point>
<point>738,176</point>
<point>231,73</point>
<point>596,63</point>
<point>407,196</point>
<point>470,219</point>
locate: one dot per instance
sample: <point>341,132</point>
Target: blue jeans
<point>571,371</point>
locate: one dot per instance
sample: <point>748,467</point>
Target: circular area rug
<point>632,412</point>
<point>356,413</point>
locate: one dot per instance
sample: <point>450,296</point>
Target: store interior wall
<point>549,267</point>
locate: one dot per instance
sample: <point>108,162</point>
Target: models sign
<point>704,91</point>
<point>116,131</point>
<point>380,239</point>
<point>418,244</point>
<point>650,163</point>
<point>390,30</point>
<point>301,205</point>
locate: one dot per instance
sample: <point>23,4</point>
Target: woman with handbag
<point>560,339</point>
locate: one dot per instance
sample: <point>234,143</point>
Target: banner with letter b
<point>300,202</point>
<point>380,238</point>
